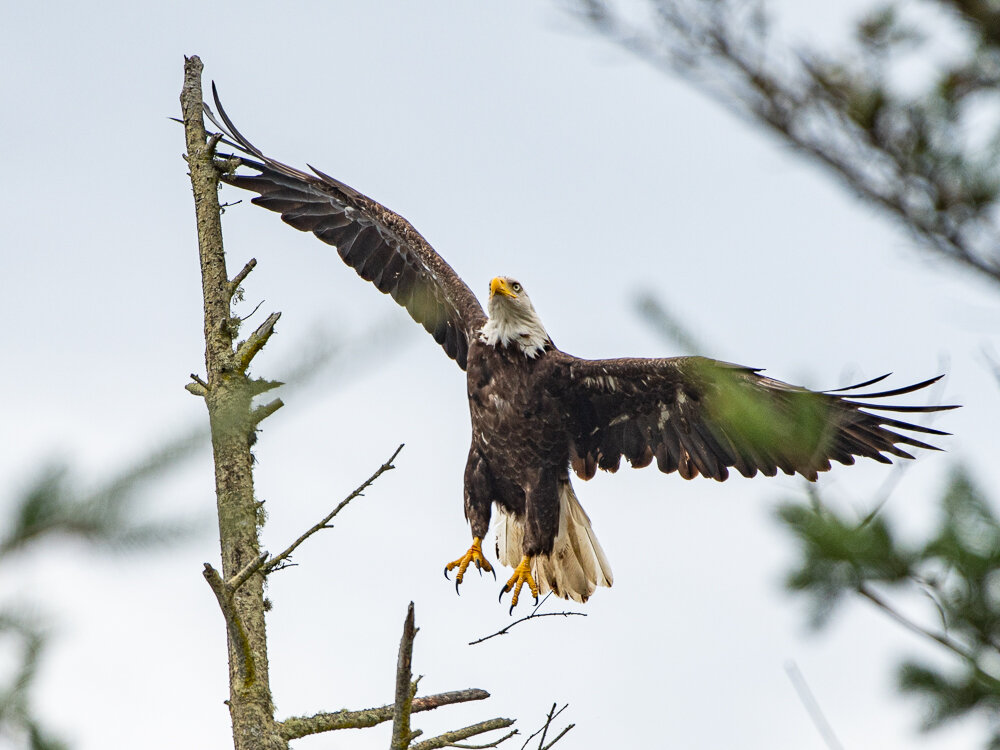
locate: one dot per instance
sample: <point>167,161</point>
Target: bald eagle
<point>538,412</point>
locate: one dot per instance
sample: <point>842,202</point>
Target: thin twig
<point>558,737</point>
<point>544,729</point>
<point>387,466</point>
<point>450,738</point>
<point>944,640</point>
<point>931,590</point>
<point>534,615</point>
<point>941,638</point>
<point>245,318</point>
<point>303,726</point>
<point>495,743</point>
<point>548,723</point>
<point>812,706</point>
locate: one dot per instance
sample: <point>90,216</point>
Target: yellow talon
<point>522,575</point>
<point>474,555</point>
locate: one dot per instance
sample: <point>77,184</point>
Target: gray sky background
<point>516,144</point>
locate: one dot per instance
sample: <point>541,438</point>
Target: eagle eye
<point>516,287</point>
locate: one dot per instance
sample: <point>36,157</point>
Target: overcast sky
<point>516,144</point>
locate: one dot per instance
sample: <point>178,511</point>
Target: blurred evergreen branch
<point>927,155</point>
<point>108,517</point>
<point>958,568</point>
<point>17,721</point>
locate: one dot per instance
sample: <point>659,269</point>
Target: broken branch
<point>248,349</point>
<point>237,635</point>
<point>405,687</point>
<point>241,276</point>
<point>260,413</point>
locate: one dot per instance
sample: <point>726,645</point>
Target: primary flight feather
<point>537,412</point>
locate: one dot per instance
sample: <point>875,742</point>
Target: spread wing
<point>699,416</point>
<point>379,244</point>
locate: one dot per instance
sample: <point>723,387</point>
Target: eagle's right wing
<point>379,244</point>
<point>699,416</point>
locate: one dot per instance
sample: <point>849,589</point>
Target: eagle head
<point>513,319</point>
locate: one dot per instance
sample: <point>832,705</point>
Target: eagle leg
<point>522,575</point>
<point>474,555</point>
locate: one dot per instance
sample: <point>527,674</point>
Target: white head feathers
<point>513,319</point>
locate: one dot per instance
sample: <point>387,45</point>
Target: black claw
<point>502,592</point>
<point>446,575</point>
<point>510,612</point>
<point>456,587</point>
<point>494,573</point>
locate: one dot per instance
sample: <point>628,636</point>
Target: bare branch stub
<point>275,562</point>
<point>237,634</point>
<point>240,578</point>
<point>430,702</point>
<point>247,350</point>
<point>239,278</point>
<point>401,735</point>
<point>213,141</point>
<point>195,390</point>
<point>262,385</point>
<point>260,413</point>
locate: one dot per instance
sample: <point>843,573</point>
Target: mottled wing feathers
<point>379,244</point>
<point>698,416</point>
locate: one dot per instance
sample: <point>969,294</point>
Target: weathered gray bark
<point>228,393</point>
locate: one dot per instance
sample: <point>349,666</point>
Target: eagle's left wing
<point>700,416</point>
<point>379,244</point>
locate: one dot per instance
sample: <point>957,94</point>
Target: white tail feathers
<point>575,567</point>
